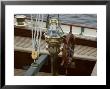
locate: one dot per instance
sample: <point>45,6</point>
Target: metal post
<point>54,64</point>
<point>82,30</point>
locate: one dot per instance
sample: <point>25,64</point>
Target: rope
<point>36,37</point>
<point>32,32</point>
<point>41,26</point>
<point>38,30</point>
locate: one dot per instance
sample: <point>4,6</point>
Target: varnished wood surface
<point>82,67</point>
<point>24,44</point>
<point>22,58</point>
<point>23,32</point>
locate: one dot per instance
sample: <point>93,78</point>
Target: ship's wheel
<point>68,51</point>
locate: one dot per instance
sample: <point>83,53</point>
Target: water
<point>89,20</point>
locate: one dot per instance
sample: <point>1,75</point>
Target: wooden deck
<point>24,44</point>
<point>20,72</point>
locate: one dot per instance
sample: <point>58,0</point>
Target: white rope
<point>32,32</point>
<point>39,32</point>
<point>35,29</point>
<point>41,26</point>
<point>36,37</point>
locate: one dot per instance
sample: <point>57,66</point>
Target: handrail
<point>76,25</point>
<point>37,66</point>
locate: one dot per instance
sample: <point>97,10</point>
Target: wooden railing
<point>24,32</point>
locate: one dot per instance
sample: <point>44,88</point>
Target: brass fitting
<point>53,21</point>
<point>34,54</point>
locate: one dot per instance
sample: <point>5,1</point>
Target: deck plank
<point>25,44</point>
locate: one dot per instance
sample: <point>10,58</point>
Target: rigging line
<point>36,35</point>
<point>41,26</point>
<point>58,17</point>
<point>39,32</point>
<point>59,23</point>
<point>47,22</point>
<point>32,31</point>
<point>37,38</point>
<point>36,24</point>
